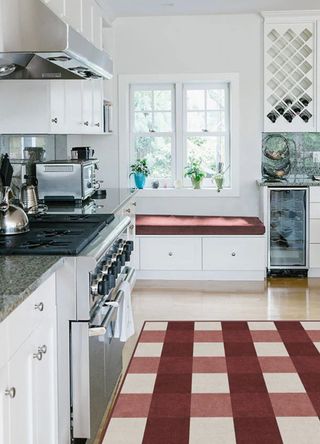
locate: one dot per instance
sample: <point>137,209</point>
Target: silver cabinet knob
<point>97,124</point>
<point>128,210</point>
<point>10,392</point>
<point>54,120</point>
<point>134,204</point>
<point>86,123</point>
<point>43,349</point>
<point>37,356</point>
<point>233,253</point>
<point>39,306</point>
<point>170,253</point>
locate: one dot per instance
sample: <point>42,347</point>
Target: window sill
<point>187,192</point>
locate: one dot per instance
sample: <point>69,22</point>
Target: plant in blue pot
<point>140,172</point>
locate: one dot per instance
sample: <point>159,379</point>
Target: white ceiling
<point>128,8</point>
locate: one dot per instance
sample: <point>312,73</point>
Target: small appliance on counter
<point>82,153</point>
<point>67,180</point>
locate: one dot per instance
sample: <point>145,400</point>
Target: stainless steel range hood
<point>36,44</point>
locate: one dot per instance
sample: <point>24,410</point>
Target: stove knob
<point>130,243</point>
<point>123,258</point>
<point>112,281</point>
<point>103,287</point>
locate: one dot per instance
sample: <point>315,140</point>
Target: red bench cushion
<point>198,225</point>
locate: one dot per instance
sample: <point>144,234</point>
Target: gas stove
<point>56,234</point>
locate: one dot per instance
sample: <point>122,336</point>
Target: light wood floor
<point>276,298</point>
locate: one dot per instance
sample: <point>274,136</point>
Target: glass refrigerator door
<point>288,233</point>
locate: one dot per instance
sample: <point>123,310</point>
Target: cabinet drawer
<point>233,253</point>
<point>315,210</point>
<point>3,344</point>
<point>315,231</point>
<point>166,253</point>
<point>25,318</point>
<point>314,194</point>
<point>314,256</point>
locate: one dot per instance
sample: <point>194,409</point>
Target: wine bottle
<point>288,117</point>
<point>272,116</point>
<point>304,101</point>
<point>280,109</point>
<point>305,117</point>
<point>288,101</point>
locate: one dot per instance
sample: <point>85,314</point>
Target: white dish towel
<point>124,325</point>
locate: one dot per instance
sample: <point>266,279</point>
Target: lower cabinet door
<point>44,383</point>
<point>21,386</point>
<point>170,253</point>
<point>238,253</point>
<point>314,256</point>
<point>4,405</point>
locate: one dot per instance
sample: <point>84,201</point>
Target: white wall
<point>202,44</point>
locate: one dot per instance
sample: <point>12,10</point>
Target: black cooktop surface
<point>55,234</point>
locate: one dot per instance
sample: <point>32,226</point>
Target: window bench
<point>200,248</point>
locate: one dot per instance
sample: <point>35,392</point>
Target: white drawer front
<point>314,255</point>
<point>3,343</point>
<point>25,318</point>
<point>314,194</point>
<point>315,210</point>
<point>231,253</point>
<point>165,253</point>
<point>315,231</point>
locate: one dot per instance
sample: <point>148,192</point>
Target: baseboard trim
<point>222,275</point>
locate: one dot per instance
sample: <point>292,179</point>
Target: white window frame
<point>124,82</point>
<point>133,135</point>
<point>207,183</point>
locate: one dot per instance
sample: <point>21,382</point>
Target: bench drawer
<point>314,210</point>
<point>234,253</point>
<point>314,194</point>
<point>315,231</point>
<point>169,253</point>
<point>314,256</point>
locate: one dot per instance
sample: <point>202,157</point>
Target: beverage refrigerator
<point>288,230</point>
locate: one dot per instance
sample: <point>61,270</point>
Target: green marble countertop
<point>290,183</point>
<point>20,276</point>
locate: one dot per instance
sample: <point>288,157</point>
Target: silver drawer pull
<point>170,253</point>
<point>134,204</point>
<point>97,124</point>
<point>39,306</point>
<point>128,210</point>
<point>37,356</point>
<point>43,349</point>
<point>233,253</point>
<point>54,120</point>
<point>10,392</point>
<point>86,123</point>
<point>97,331</point>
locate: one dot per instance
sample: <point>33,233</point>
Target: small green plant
<point>140,167</point>
<point>194,171</point>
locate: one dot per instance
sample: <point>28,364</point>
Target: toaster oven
<point>66,180</point>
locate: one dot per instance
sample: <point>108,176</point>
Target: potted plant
<point>140,171</point>
<point>218,176</point>
<point>195,172</point>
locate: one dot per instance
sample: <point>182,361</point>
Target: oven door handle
<point>130,274</point>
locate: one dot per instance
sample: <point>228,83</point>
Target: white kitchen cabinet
<point>57,106</point>
<point>28,380</point>
<point>96,27</point>
<point>97,104</point>
<point>25,106</point>
<point>73,15</point>
<point>87,19</point>
<point>4,405</point>
<point>170,253</point>
<point>57,6</point>
<point>290,70</point>
<point>87,106</point>
<point>73,107</point>
<point>233,253</point>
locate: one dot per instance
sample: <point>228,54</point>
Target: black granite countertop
<point>22,275</point>
<point>116,198</point>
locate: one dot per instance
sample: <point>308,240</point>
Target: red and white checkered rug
<point>221,383</point>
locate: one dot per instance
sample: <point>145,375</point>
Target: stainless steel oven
<point>96,352</point>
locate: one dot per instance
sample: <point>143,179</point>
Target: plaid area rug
<point>221,383</point>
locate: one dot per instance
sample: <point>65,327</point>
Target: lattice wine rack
<point>289,77</point>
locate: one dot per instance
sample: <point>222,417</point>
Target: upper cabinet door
<point>73,107</point>
<point>57,6</point>
<point>97,105</point>
<point>289,76</point>
<point>73,13</point>
<point>96,27</point>
<point>25,106</point>
<point>57,106</point>
<point>87,106</point>
<point>87,20</point>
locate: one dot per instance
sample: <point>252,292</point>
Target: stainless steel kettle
<point>13,220</point>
